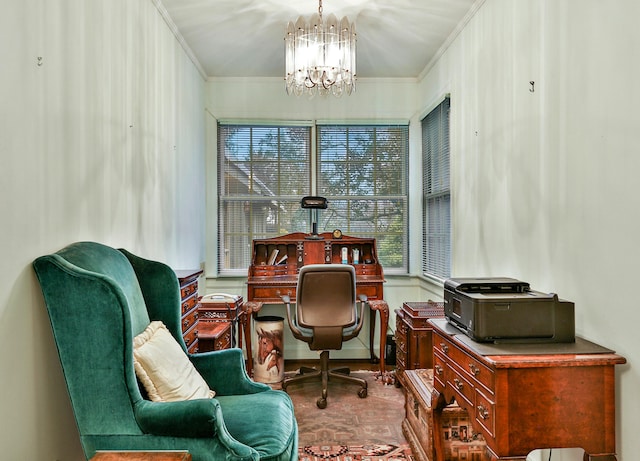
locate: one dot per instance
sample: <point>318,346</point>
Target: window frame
<point>314,172</point>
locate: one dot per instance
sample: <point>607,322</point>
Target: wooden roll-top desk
<point>275,264</point>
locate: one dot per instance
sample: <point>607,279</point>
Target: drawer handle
<point>474,369</point>
<point>483,412</point>
<point>459,384</point>
<point>185,322</point>
<point>438,369</point>
<point>444,347</point>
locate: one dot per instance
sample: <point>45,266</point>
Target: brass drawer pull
<point>438,369</point>
<point>475,371</point>
<point>483,412</point>
<point>459,384</point>
<point>444,347</point>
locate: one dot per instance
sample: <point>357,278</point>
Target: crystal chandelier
<point>320,57</point>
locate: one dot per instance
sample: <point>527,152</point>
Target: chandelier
<point>320,57</point>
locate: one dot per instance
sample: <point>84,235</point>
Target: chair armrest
<point>200,418</point>
<point>293,324</point>
<point>185,418</point>
<point>225,373</point>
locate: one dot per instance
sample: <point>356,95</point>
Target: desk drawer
<point>189,289</point>
<point>472,368</point>
<point>270,293</point>
<point>190,336</point>
<point>462,388</point>
<point>189,319</point>
<point>189,304</point>
<point>485,411</point>
<point>439,367</point>
<point>371,291</point>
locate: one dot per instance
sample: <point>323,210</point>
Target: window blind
<point>362,171</point>
<point>263,171</point>
<point>436,229</point>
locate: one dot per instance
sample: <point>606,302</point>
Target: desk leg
<point>251,308</point>
<point>437,405</point>
<point>382,307</point>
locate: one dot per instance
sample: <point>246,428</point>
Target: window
<point>264,171</point>
<point>436,229</point>
<point>362,170</point>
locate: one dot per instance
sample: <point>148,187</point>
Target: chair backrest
<point>326,296</point>
<point>96,307</point>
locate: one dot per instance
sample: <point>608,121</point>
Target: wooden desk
<point>523,398</point>
<point>266,283</point>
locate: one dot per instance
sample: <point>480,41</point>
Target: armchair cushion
<point>164,369</point>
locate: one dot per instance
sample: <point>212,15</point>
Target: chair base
<point>326,375</point>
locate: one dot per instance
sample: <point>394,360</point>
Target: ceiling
<point>245,38</point>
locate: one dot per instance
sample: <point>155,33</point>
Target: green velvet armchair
<point>100,298</point>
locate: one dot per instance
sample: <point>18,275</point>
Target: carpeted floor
<point>350,428</point>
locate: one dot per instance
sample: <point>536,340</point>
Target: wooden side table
<point>214,336</point>
<point>413,336</point>
<point>141,456</point>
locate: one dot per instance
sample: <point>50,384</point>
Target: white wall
<point>544,182</point>
<point>103,141</point>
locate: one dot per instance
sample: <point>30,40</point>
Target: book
<point>272,257</point>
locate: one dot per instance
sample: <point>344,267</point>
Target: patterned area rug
<point>350,428</point>
<point>375,452</point>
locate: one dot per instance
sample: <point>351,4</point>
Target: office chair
<point>326,315</point>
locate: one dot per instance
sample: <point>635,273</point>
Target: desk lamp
<point>314,204</point>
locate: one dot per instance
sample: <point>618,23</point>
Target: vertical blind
<point>436,229</point>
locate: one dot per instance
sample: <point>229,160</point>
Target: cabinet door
<point>313,252</point>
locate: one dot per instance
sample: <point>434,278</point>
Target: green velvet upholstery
<point>98,299</point>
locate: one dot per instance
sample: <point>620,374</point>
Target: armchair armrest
<point>200,418</point>
<point>225,373</point>
<point>185,418</point>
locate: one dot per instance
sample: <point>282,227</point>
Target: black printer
<point>507,310</point>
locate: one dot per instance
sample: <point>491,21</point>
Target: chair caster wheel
<point>362,393</point>
<point>321,403</point>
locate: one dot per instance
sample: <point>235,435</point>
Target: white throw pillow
<point>164,369</point>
